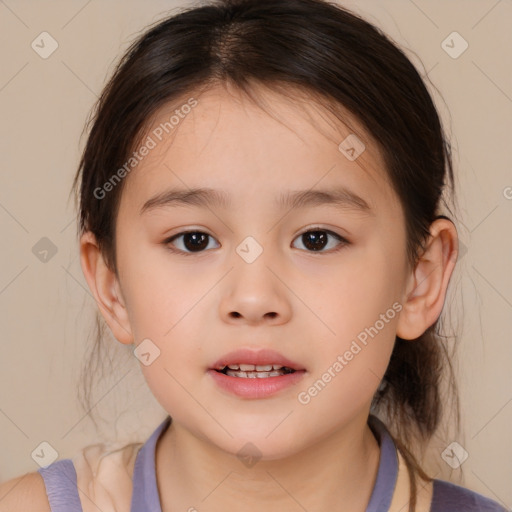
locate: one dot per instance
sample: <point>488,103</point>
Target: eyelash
<point>343,241</point>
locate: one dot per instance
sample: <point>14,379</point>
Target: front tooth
<point>263,367</point>
<point>247,367</point>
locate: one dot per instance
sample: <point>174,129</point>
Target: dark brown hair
<point>344,64</point>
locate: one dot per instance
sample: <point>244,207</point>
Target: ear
<point>105,288</point>
<point>427,285</point>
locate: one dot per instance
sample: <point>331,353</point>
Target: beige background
<point>47,311</point>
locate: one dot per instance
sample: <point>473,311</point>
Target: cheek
<point>160,295</point>
<point>359,305</point>
<point>358,293</point>
<point>177,368</point>
<point>347,374</point>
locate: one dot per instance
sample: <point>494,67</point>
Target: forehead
<point>223,140</point>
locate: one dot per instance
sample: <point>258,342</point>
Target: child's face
<point>310,306</point>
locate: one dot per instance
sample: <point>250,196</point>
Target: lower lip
<point>255,387</point>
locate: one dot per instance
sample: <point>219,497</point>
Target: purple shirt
<point>61,482</point>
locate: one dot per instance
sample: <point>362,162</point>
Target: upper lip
<point>255,357</point>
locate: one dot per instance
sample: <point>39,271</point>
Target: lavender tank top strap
<point>145,496</point>
<point>60,482</point>
<point>387,473</point>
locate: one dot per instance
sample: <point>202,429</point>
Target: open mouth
<point>251,371</point>
<point>258,376</point>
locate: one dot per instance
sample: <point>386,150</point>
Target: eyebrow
<point>340,197</point>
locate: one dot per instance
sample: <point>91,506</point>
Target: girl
<point>260,215</point>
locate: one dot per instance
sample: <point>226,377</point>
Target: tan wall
<point>46,309</point>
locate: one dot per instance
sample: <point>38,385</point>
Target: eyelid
<point>185,231</point>
<point>171,238</point>
<point>331,231</point>
<point>316,227</point>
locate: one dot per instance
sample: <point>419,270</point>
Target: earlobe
<point>427,285</point>
<point>105,288</point>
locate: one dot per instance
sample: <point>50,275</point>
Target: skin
<point>313,455</point>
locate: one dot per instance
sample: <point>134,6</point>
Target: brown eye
<point>318,239</point>
<point>192,241</point>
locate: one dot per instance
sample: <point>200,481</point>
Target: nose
<point>253,294</point>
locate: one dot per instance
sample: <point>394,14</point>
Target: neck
<point>193,473</point>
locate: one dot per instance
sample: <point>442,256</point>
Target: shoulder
<point>26,492</point>
<point>448,497</point>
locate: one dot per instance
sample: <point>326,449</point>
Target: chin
<point>262,446</point>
